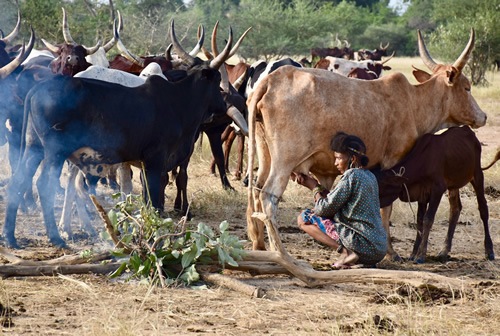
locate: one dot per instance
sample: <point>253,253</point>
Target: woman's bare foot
<point>346,260</point>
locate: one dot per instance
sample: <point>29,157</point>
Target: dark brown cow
<point>72,57</point>
<point>373,71</point>
<point>374,55</point>
<point>437,163</point>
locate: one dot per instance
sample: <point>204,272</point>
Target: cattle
<point>72,57</point>
<point>437,162</point>
<point>338,51</point>
<point>91,122</point>
<point>295,112</point>
<point>245,84</point>
<point>374,55</point>
<point>346,67</point>
<point>6,41</point>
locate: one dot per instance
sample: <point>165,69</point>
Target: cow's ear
<point>386,67</point>
<point>452,75</point>
<point>420,75</point>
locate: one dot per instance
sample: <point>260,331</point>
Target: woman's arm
<point>328,206</point>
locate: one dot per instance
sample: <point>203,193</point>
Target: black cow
<point>91,122</point>
<point>374,55</point>
<point>437,163</point>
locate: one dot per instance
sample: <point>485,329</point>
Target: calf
<point>437,163</point>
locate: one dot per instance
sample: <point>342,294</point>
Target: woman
<point>348,217</point>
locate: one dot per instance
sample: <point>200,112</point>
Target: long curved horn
<point>188,59</point>
<point>347,44</point>
<point>25,51</point>
<point>127,54</point>
<point>224,78</point>
<point>207,53</point>
<point>222,57</point>
<point>387,60</point>
<point>10,38</point>
<point>237,44</point>
<point>239,81</point>
<point>215,50</point>
<point>337,40</point>
<point>91,50</point>
<point>201,39</point>
<point>384,48</point>
<point>66,33</point>
<point>114,40</point>
<point>424,53</point>
<point>168,53</point>
<point>238,118</point>
<point>464,57</point>
<point>53,48</point>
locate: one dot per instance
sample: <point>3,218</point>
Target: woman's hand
<point>305,180</point>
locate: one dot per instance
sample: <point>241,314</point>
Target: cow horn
<point>235,47</point>
<point>127,54</point>
<point>239,81</point>
<point>207,53</point>
<point>53,48</point>
<point>215,50</point>
<point>10,38</point>
<point>224,81</point>
<point>114,39</point>
<point>347,44</point>
<point>25,51</point>
<point>222,57</point>
<point>383,48</point>
<point>464,57</point>
<point>237,44</point>
<point>424,53</point>
<point>387,60</point>
<point>183,55</point>
<point>66,33</point>
<point>238,118</point>
<point>91,50</point>
<point>201,39</point>
<point>337,40</point>
<point>168,53</point>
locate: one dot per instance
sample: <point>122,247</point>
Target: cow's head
<point>453,86</point>
<point>7,41</point>
<point>391,183</point>
<point>71,56</point>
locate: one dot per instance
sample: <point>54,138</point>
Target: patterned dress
<point>354,207</point>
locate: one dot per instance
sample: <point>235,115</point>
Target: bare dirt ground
<point>96,305</point>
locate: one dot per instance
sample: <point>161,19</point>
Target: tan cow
<point>295,112</point>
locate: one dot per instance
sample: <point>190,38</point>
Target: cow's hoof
<point>490,256</point>
<point>58,242</point>
<point>419,260</point>
<point>12,243</point>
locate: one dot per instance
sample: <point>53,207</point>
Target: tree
<point>456,18</point>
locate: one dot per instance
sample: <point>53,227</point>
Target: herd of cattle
<point>68,103</point>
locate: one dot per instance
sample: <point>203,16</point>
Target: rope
<point>400,174</point>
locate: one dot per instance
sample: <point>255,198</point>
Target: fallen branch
<point>234,284</point>
<point>72,259</point>
<point>51,270</point>
<point>109,227</point>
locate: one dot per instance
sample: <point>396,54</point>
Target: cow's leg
<point>47,184</point>
<point>391,254</point>
<point>181,204</point>
<point>214,138</point>
<point>241,153</point>
<point>454,214</point>
<point>124,173</point>
<point>430,214</point>
<point>270,195</point>
<point>69,198</point>
<point>228,144</point>
<point>111,178</point>
<point>19,183</point>
<point>255,227</point>
<point>224,137</point>
<point>478,184</point>
<point>421,210</point>
<point>83,204</point>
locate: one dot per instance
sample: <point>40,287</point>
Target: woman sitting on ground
<point>347,218</point>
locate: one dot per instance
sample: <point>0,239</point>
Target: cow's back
<point>334,103</point>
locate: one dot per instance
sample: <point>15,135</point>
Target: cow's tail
<point>497,157</point>
<point>27,109</point>
<point>252,102</point>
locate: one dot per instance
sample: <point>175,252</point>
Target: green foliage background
<point>280,27</point>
